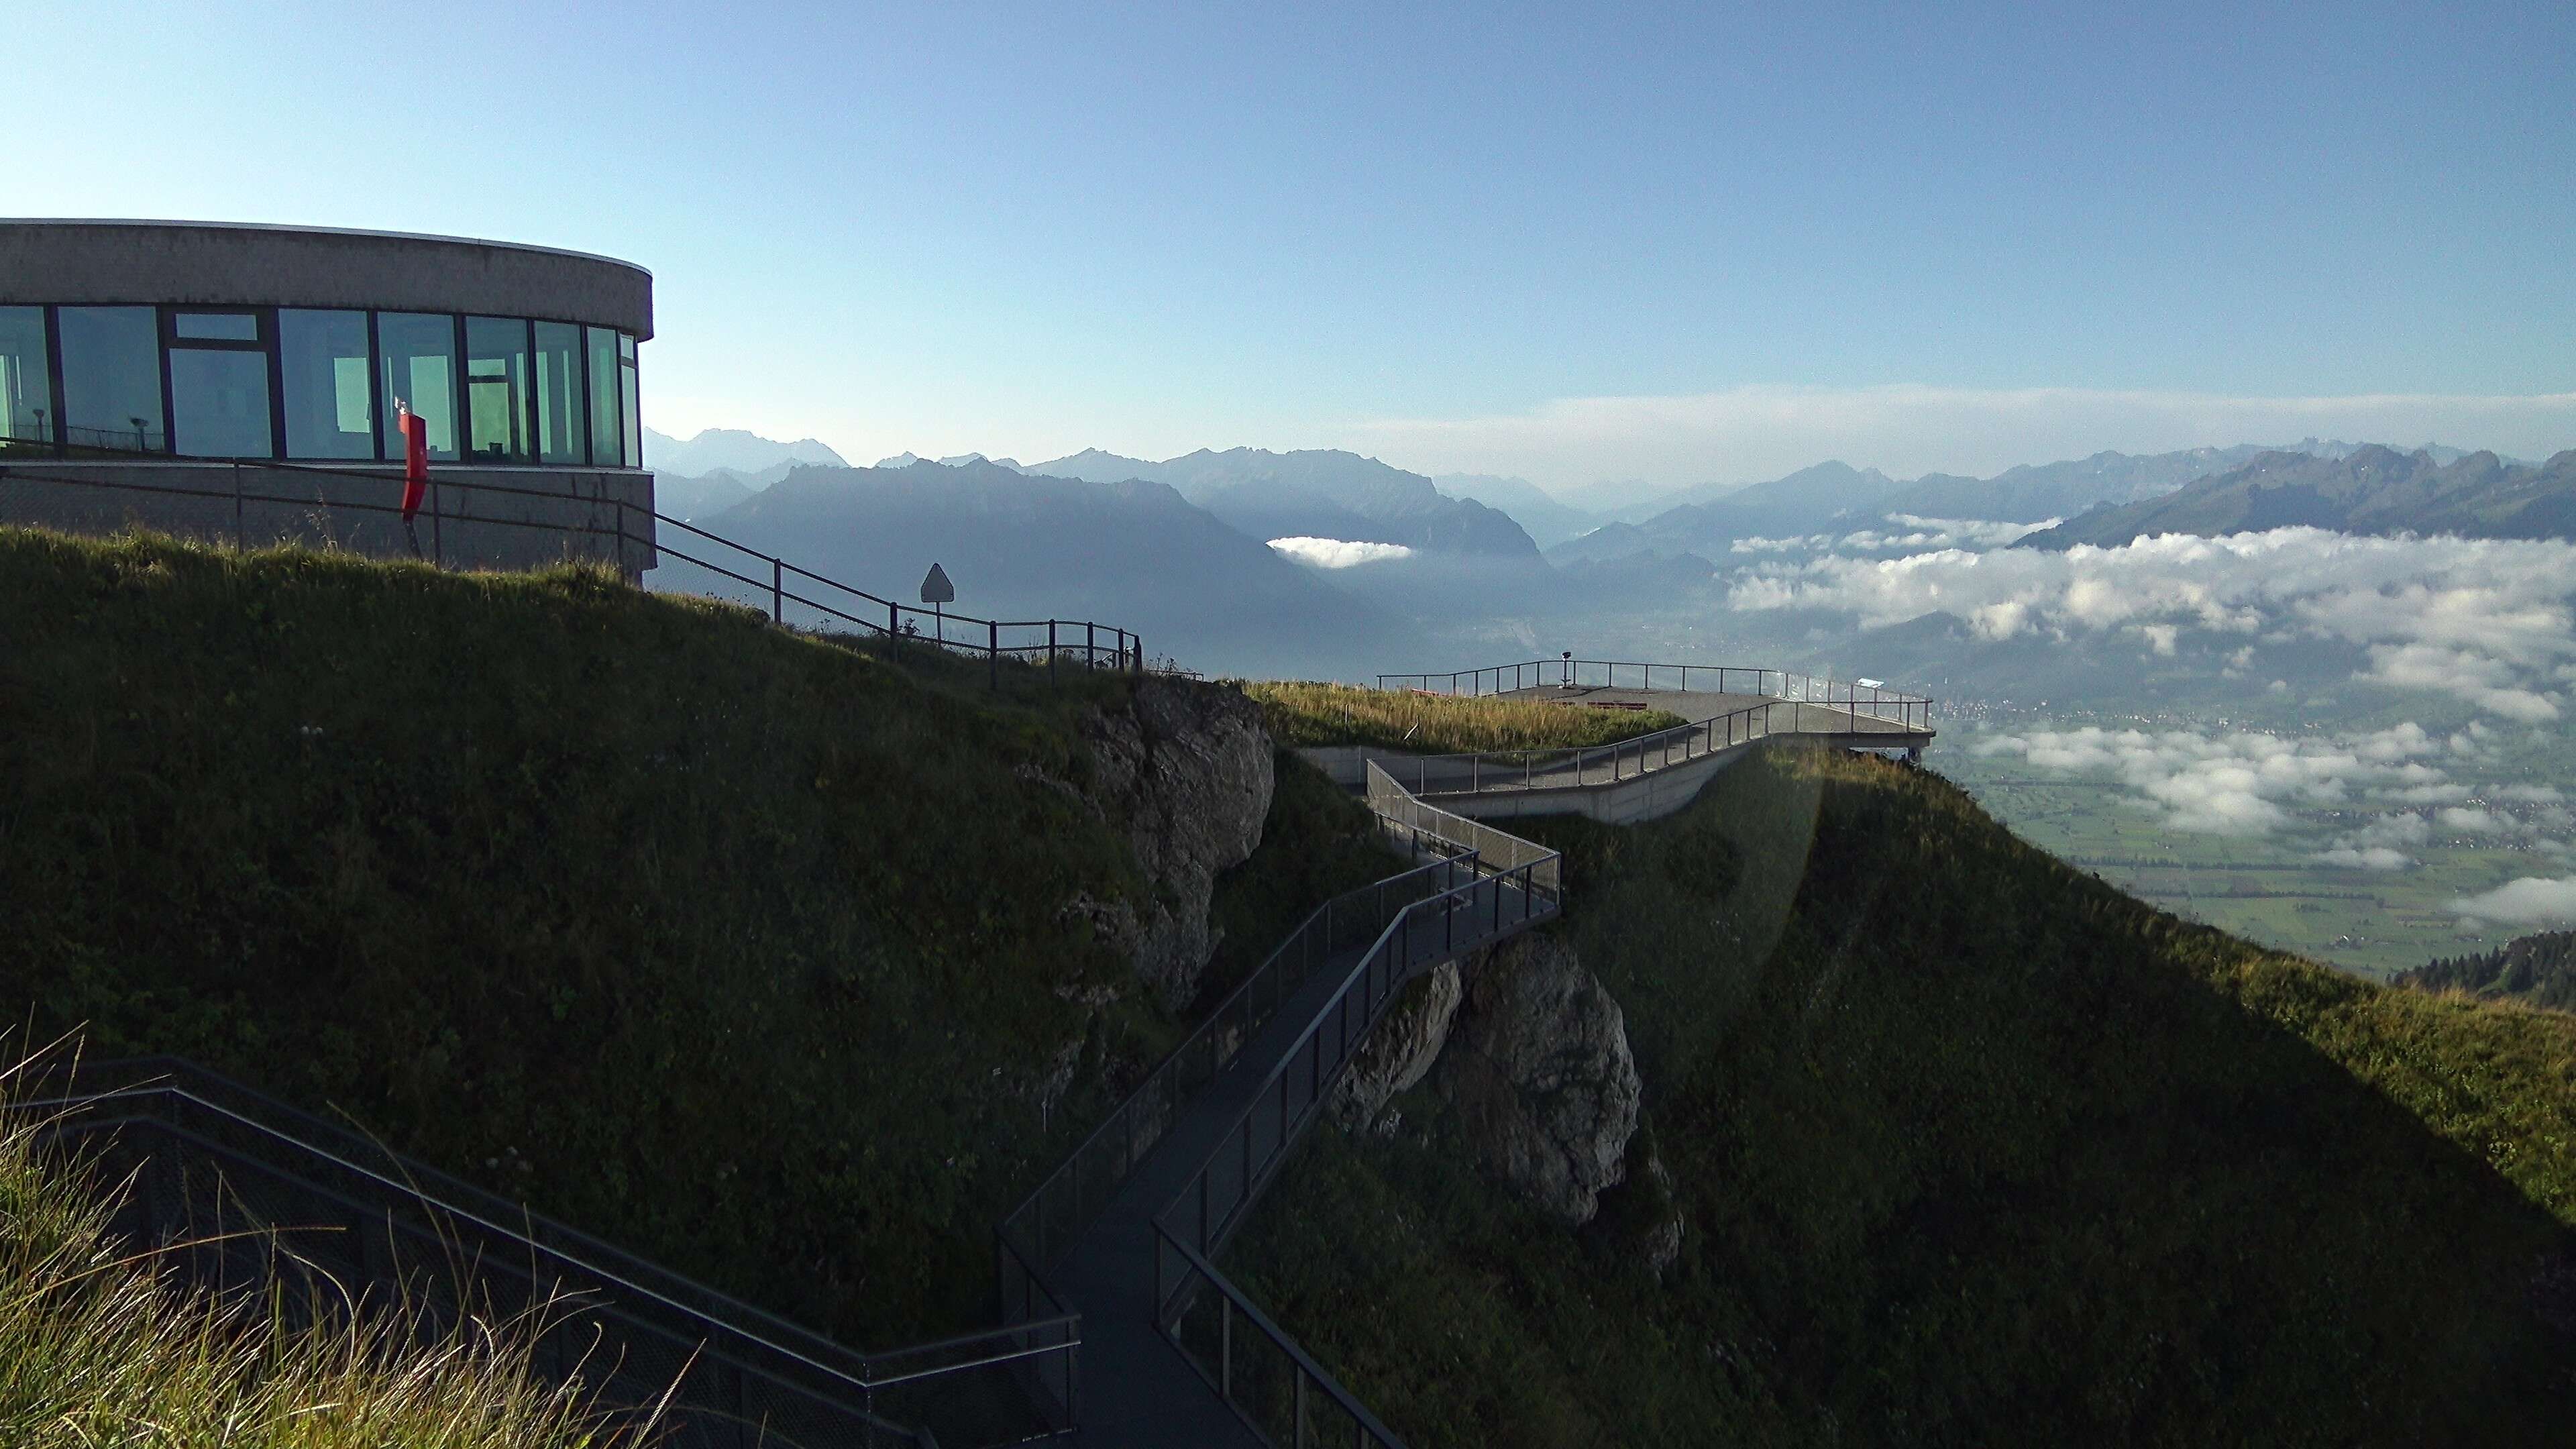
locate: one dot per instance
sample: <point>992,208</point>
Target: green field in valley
<point>2269,888</point>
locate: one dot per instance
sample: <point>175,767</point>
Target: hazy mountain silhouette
<point>1542,515</point>
<point>2032,493</point>
<point>1807,501</point>
<point>730,448</point>
<point>2372,489</point>
<point>1324,493</point>
<point>1027,546</point>
<point>695,500</point>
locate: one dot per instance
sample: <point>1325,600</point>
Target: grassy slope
<point>95,1349</point>
<point>1395,719</point>
<point>1973,1149</point>
<point>737,950</point>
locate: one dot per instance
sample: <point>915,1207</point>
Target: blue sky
<point>1571,243</point>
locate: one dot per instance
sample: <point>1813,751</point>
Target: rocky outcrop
<point>1399,1052</point>
<point>1187,768</point>
<point>1540,1070</point>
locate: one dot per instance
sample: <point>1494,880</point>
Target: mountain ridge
<point>2371,490</point>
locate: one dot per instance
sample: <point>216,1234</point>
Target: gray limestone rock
<point>1187,768</point>
<point>1543,1077</point>
<point>1399,1052</point>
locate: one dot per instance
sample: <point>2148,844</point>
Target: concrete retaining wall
<point>1632,801</point>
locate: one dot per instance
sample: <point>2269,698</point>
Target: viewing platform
<point>1728,709</point>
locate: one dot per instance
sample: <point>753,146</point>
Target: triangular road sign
<point>935,588</point>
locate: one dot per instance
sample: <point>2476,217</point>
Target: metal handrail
<point>1566,672</point>
<point>1132,1128</point>
<point>1308,1373</point>
<point>1491,771</point>
<point>1377,987</point>
<point>1088,643</point>
<point>1390,961</point>
<point>1497,849</point>
<point>824,1368</point>
<point>282,1122</point>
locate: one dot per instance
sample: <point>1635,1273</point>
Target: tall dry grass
<point>1343,714</point>
<point>101,1344</point>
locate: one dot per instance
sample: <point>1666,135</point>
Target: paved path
<point>1721,722</point>
<point>1702,704</point>
<point>1136,1387</point>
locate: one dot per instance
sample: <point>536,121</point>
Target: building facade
<point>242,382</point>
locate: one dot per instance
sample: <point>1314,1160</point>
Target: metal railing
<point>246,1192</point>
<point>1278,1388</point>
<point>1877,701</point>
<point>1070,1200</point>
<point>1525,770</point>
<point>792,596</point>
<point>1496,850</point>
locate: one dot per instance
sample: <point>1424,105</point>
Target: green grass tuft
<point>99,1346</point>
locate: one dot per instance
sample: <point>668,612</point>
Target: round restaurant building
<point>242,383</point>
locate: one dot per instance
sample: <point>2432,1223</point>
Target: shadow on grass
<point>1970,1148</point>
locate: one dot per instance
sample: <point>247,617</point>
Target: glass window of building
<point>634,425</point>
<point>496,389</point>
<point>605,448</point>
<point>563,430</point>
<point>215,327</point>
<point>219,386</point>
<point>26,381</point>
<point>111,359</point>
<point>322,365</point>
<point>419,351</point>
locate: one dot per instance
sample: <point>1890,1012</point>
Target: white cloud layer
<point>2530,901</point>
<point>2244,783</point>
<point>2493,621</point>
<point>1746,434</point>
<point>1337,553</point>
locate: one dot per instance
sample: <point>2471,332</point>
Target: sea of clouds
<point>2490,621</point>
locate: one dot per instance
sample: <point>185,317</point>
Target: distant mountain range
<point>1547,521</point>
<point>1025,546</point>
<point>1805,502</point>
<point>2109,486</point>
<point>2371,490</point>
<point>732,450</point>
<point>1316,494</point>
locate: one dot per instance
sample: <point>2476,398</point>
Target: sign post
<point>935,591</point>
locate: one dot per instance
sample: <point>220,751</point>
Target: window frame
<point>627,349</point>
<point>264,324</point>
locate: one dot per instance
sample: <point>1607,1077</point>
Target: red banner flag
<point>415,431</point>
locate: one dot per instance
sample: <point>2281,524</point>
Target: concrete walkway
<point>1698,705</point>
<point>1625,783</point>
<point>1137,1389</point>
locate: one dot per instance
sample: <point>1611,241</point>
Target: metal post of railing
<point>240,543</point>
<point>1051,675</point>
<point>993,653</point>
<point>1225,1347</point>
<point>777,592</point>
